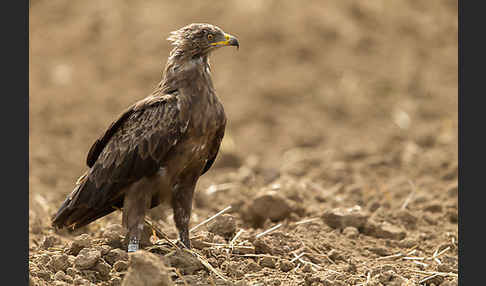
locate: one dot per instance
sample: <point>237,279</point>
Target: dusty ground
<point>331,105</point>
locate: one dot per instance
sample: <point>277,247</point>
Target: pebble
<point>113,235</point>
<point>115,255</point>
<point>224,225</point>
<point>103,268</point>
<point>49,241</point>
<point>253,267</point>
<point>233,269</point>
<point>433,208</point>
<point>384,230</point>
<point>307,268</point>
<point>184,261</point>
<point>146,269</point>
<point>286,265</point>
<point>59,262</point>
<point>267,261</point>
<point>80,242</point>
<point>407,219</point>
<point>268,205</point>
<point>87,258</point>
<point>61,276</point>
<point>342,218</point>
<point>351,232</point>
<point>120,265</point>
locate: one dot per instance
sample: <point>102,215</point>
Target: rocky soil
<point>339,161</point>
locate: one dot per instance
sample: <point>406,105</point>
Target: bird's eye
<point>210,37</point>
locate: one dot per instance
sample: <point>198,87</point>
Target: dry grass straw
<point>209,219</point>
<point>208,265</point>
<point>268,230</point>
<point>221,187</point>
<point>412,194</point>
<point>159,233</point>
<point>199,257</point>
<point>306,221</point>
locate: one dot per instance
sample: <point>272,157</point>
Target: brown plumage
<point>157,148</point>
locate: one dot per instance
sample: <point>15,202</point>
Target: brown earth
<point>331,105</point>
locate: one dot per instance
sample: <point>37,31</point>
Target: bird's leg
<point>182,205</point>
<point>135,204</point>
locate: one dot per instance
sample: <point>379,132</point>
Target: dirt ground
<point>341,138</point>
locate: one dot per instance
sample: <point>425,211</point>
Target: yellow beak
<point>230,41</point>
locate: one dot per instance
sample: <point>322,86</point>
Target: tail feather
<point>76,212</point>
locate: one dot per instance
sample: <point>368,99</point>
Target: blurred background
<point>316,88</point>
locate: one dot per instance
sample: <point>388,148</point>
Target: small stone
<point>241,283</point>
<point>373,206</point>
<point>81,281</point>
<point>407,219</point>
<point>445,268</point>
<point>334,255</point>
<point>103,268</point>
<point>449,283</point>
<point>286,265</point>
<point>146,269</point>
<point>351,268</point>
<point>307,268</point>
<point>115,281</point>
<point>113,235</point>
<point>184,261</point>
<point>267,261</point>
<point>49,241</point>
<point>384,230</point>
<point>382,269</point>
<point>115,255</point>
<point>43,259</point>
<point>389,278</point>
<point>59,262</point>
<point>71,271</point>
<point>342,218</point>
<point>269,205</point>
<point>262,245</point>
<point>219,239</point>
<point>234,269</point>
<point>351,232</point>
<point>104,249</point>
<point>252,267</point>
<point>452,189</point>
<point>378,250</point>
<point>433,208</point>
<point>61,276</point>
<point>452,216</point>
<point>87,258</point>
<point>437,280</point>
<point>432,220</point>
<point>407,243</point>
<point>120,266</point>
<point>451,173</point>
<point>223,225</point>
<point>80,242</point>
<point>45,275</point>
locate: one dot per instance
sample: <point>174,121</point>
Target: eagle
<point>156,150</point>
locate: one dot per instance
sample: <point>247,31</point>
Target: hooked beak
<point>230,41</point>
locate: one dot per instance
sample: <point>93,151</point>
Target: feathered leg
<point>182,206</point>
<point>137,201</point>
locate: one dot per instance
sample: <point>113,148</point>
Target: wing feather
<point>214,149</point>
<point>134,146</point>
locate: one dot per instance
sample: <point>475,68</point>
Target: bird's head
<point>200,39</point>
